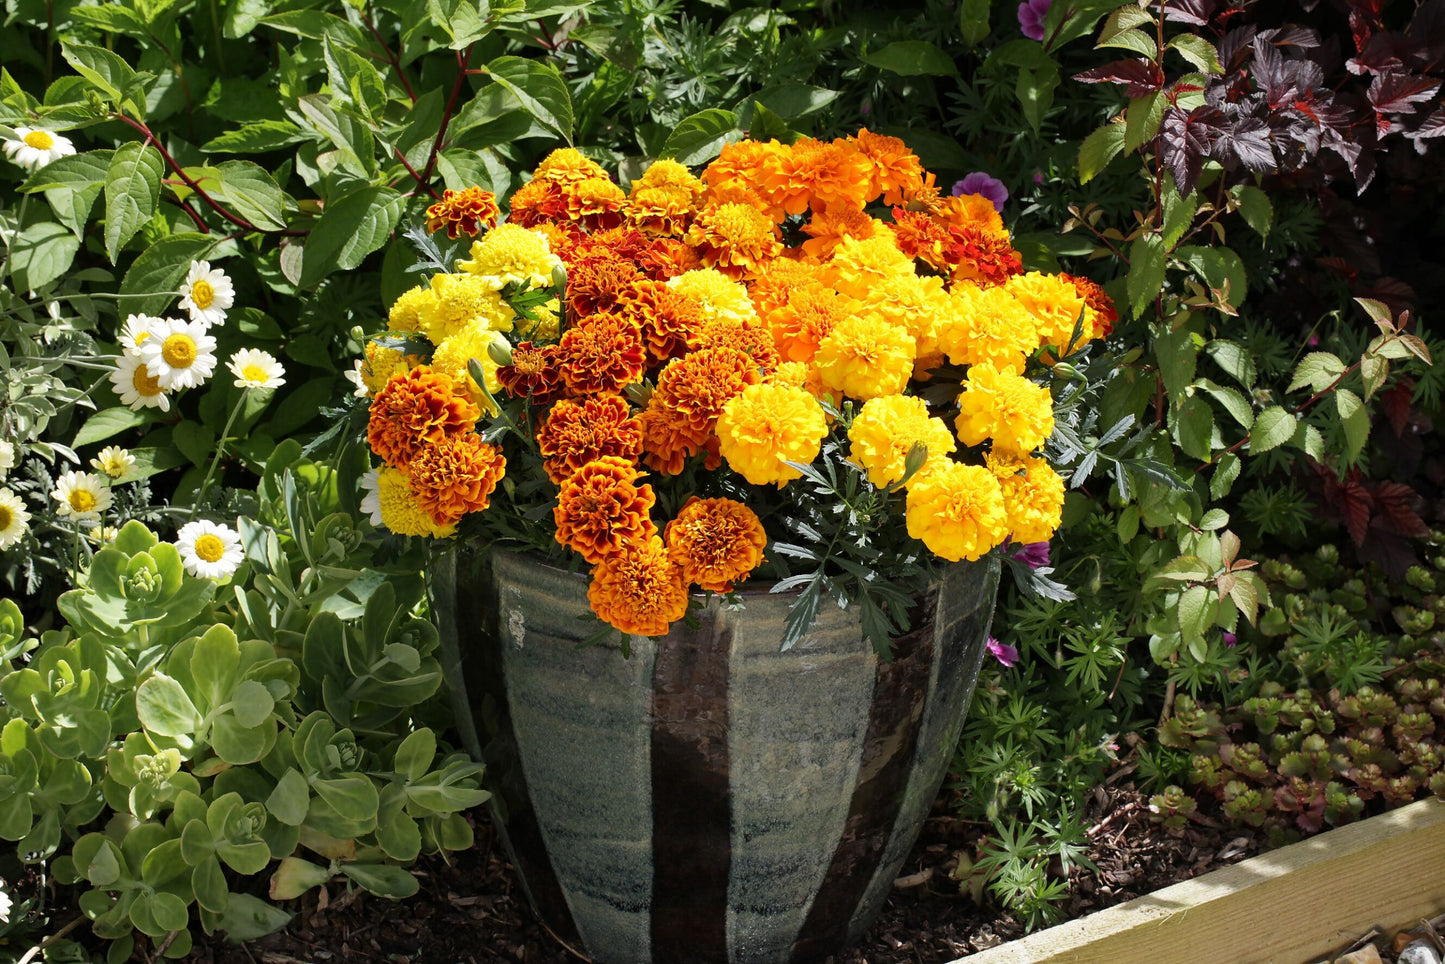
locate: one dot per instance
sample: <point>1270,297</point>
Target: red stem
<point>390,56</point>
<point>463,58</point>
<point>412,171</point>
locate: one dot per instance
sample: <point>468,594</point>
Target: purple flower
<point>1035,555</point>
<point>1003,652</point>
<point>1230,639</point>
<point>982,184</point>
<point>1031,18</point>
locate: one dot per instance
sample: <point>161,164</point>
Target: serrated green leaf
<point>1219,267</point>
<point>699,137</point>
<point>1135,40</point>
<point>253,194</point>
<point>132,190</point>
<point>540,88</point>
<point>1234,360</point>
<point>1142,118</point>
<point>1178,359</point>
<point>1178,215</point>
<point>1146,271</point>
<point>1197,51</point>
<point>1098,149</point>
<point>159,270</point>
<point>1196,612</point>
<point>349,230</point>
<point>40,254</point>
<point>1318,370</point>
<point>1355,418</point>
<point>1126,17</point>
<point>255,137</point>
<point>1272,427</point>
<point>1226,470</point>
<point>1194,428</point>
<point>108,71</point>
<point>1254,207</point>
<point>1232,401</point>
<point>1374,369</point>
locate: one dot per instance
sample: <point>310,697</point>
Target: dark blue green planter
<point>709,798</point>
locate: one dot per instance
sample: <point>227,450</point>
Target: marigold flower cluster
<point>657,361</point>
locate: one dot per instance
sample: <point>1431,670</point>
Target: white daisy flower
<point>83,496</point>
<point>34,148</point>
<point>102,535</point>
<point>136,386</point>
<point>354,376</point>
<point>208,550</point>
<point>136,330</point>
<point>255,368</point>
<point>4,905</point>
<point>207,294</point>
<point>7,457</point>
<point>371,502</point>
<point>14,520</point>
<point>114,461</point>
<point>179,353</point>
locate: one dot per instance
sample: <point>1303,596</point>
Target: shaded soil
<point>471,910</point>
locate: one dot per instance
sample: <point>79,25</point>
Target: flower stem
<point>220,451</point>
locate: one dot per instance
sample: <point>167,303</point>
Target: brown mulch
<point>470,909</point>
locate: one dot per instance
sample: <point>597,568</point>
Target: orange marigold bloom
<point>716,542</point>
<point>668,441</point>
<point>455,475</point>
<point>596,284</point>
<point>537,202</point>
<point>533,373</point>
<point>601,353</point>
<point>829,227</point>
<point>743,163</point>
<point>746,336</point>
<point>640,590</point>
<point>600,507</point>
<point>1102,314</point>
<point>736,239</point>
<point>668,258</point>
<point>659,210</point>
<point>971,210</point>
<point>778,278</point>
<point>921,237</point>
<point>897,172</point>
<point>576,433</point>
<point>416,408</point>
<point>596,202</point>
<point>669,320</point>
<point>819,174</point>
<point>463,212</point>
<point>698,386</point>
<point>806,318</point>
<point>983,258</point>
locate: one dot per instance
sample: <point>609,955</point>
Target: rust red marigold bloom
<point>576,433</point>
<point>533,373</point>
<point>600,507</point>
<point>597,283</point>
<point>716,542</point>
<point>979,256</point>
<point>921,237</point>
<point>748,337</point>
<point>640,590</point>
<point>537,202</point>
<point>1105,314</point>
<point>669,320</point>
<point>601,353</point>
<point>415,408</point>
<point>455,475</point>
<point>463,212</point>
<point>698,386</point>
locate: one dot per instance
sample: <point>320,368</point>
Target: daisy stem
<point>220,451</point>
<point>75,554</point>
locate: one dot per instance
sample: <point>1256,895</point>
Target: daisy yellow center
<point>6,517</point>
<point>179,351</point>
<point>144,383</point>
<point>210,548</point>
<point>254,373</point>
<point>40,140</point>
<point>82,500</point>
<point>142,336</point>
<point>202,293</point>
<point>114,467</point>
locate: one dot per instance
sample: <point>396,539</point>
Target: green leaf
<point>415,754</point>
<point>699,137</point>
<point>1318,370</point>
<point>1035,90</point>
<point>383,880</point>
<point>1233,402</point>
<point>209,883</point>
<point>349,230</point>
<point>159,270</point>
<point>1272,427</point>
<point>253,194</point>
<point>540,88</point>
<point>255,137</point>
<point>1178,358</point>
<point>40,254</point>
<point>465,21</point>
<point>1374,369</point>
<point>1178,214</point>
<point>912,58</point>
<point>288,802</point>
<point>1219,267</point>
<point>1098,149</point>
<point>1146,271</point>
<point>1197,51</point>
<point>354,79</point>
<point>163,707</point>
<point>973,21</point>
<point>1194,428</point>
<point>1378,311</point>
<point>1196,612</point>
<point>1226,470</point>
<point>108,71</point>
<point>132,190</point>
<point>247,918</point>
<point>1254,207</point>
<point>353,797</point>
<point>294,877</point>
<point>1234,360</point>
<point>1124,18</point>
<point>1355,418</point>
<point>252,703</point>
<point>1142,118</point>
<point>1135,40</point>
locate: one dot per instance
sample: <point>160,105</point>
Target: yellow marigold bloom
<point>957,511</point>
<point>914,303</point>
<point>453,354</point>
<point>864,357</point>
<point>399,510</point>
<point>382,363</point>
<point>546,325</point>
<point>734,238</point>
<point>1017,414</point>
<point>897,172</point>
<point>716,542</point>
<point>987,326</point>
<point>819,174</point>
<point>567,164</point>
<point>512,254</point>
<point>719,295</point>
<point>600,507</point>
<point>460,301</point>
<point>469,211</point>
<point>1033,495</point>
<point>789,373</point>
<point>671,174</point>
<point>801,323</point>
<point>859,265</point>
<point>829,227</point>
<point>639,590</point>
<point>454,476</point>
<point>416,408</point>
<point>406,311</point>
<point>887,427</point>
<point>971,210</point>
<point>765,427</point>
<point>1055,304</point>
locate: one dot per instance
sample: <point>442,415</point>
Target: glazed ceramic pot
<point>707,797</point>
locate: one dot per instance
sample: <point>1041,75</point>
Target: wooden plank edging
<point>1288,906</point>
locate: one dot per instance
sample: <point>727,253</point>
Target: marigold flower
<point>896,170</point>
<point>777,279</point>
<point>469,211</point>
<point>920,236</point>
<point>600,507</point>
<point>859,265</point>
<point>957,511</point>
<point>640,590</point>
<point>884,431</point>
<point>601,353</point>
<point>1017,414</point>
<point>511,254</point>
<point>827,229</point>
<point>743,163</point>
<point>576,433</point>
<point>717,542</point>
<point>670,321</point>
<point>914,303</point>
<point>1033,496</point>
<point>455,354</point>
<point>695,388</point>
<point>406,311</point>
<point>416,408</point>
<point>987,326</point>
<point>596,284</point>
<point>568,165</point>
<point>671,174</point>
<point>978,256</point>
<point>667,440</point>
<point>1100,315</point>
<point>537,203</point>
<point>390,502</point>
<point>750,338</point>
<point>533,373</point>
<point>734,238</point>
<point>455,475</point>
<point>596,202</point>
<point>381,363</point>
<point>819,174</point>
<point>1055,304</point>
<point>971,211</point>
<point>460,301</point>
<point>667,258</point>
<point>719,295</point>
<point>767,426</point>
<point>801,323</point>
<point>864,357</point>
<point>659,210</point>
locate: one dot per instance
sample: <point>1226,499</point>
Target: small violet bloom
<point>1035,555</point>
<point>1230,639</point>
<point>982,184</point>
<point>1003,652</point>
<point>1031,18</point>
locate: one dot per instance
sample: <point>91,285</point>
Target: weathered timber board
<point>1288,906</point>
